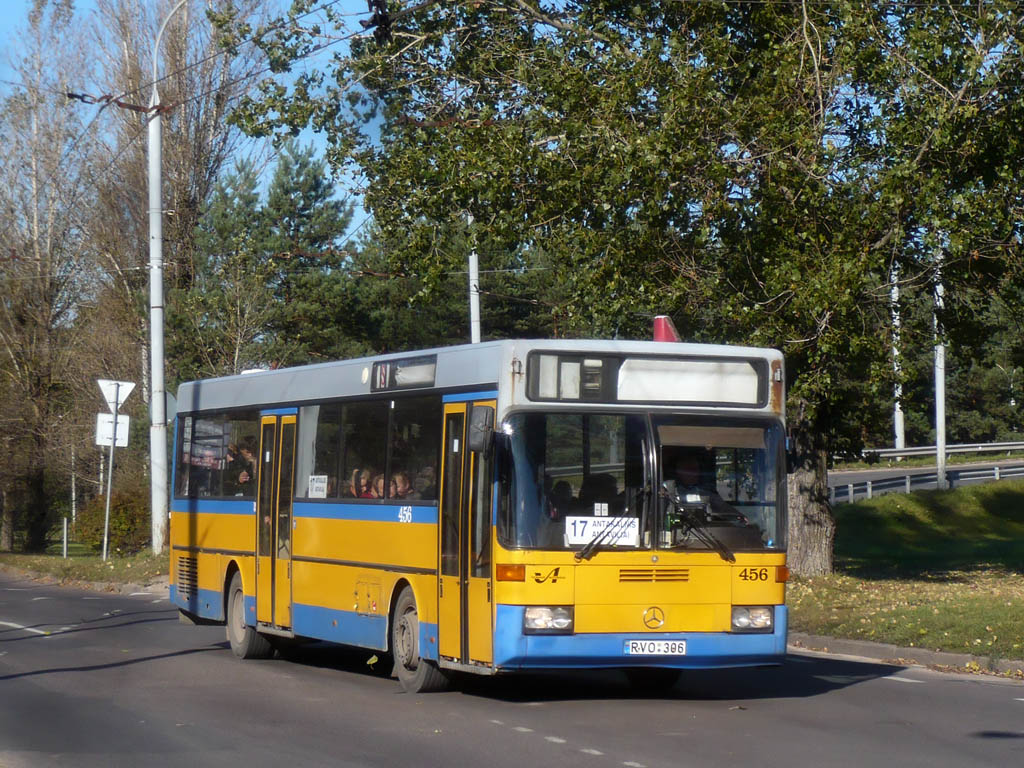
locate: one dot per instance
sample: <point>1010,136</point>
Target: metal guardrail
<point>866,489</point>
<point>929,450</point>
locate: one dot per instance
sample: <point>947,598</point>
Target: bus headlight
<point>547,619</point>
<point>752,618</point>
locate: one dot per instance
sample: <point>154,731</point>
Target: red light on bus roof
<point>665,329</point>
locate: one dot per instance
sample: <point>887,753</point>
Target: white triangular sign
<point>115,392</point>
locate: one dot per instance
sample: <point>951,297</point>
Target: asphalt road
<point>92,679</point>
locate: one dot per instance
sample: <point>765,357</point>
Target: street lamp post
<point>157,401</point>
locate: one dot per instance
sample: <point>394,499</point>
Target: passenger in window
<point>232,468</point>
<point>402,487</point>
<point>379,488</point>
<point>361,485</point>
<point>426,483</point>
<point>247,466</point>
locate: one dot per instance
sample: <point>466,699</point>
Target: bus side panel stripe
<point>375,513</point>
<point>213,506</point>
<point>205,603</point>
<point>463,397</point>
<point>341,626</point>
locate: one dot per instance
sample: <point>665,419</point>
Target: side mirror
<point>481,429</point>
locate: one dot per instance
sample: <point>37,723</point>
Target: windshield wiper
<point>699,528</point>
<point>614,523</point>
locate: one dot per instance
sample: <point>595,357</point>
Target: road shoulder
<point>894,654</point>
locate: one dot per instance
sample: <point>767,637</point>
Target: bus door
<point>464,607</point>
<point>274,520</point>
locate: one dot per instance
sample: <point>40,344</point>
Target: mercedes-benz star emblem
<point>654,617</point>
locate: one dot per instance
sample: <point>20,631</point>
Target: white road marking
<point>136,594</point>
<point>554,740</point>
<point>1018,699</point>
<point>523,729</point>
<point>902,679</point>
<point>36,599</point>
<point>588,751</point>
<point>631,764</point>
<point>497,722</point>
<point>12,625</point>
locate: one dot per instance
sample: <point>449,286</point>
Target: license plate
<point>655,648</point>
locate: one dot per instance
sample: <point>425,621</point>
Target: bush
<point>130,526</point>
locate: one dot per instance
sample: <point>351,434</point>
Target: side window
<point>318,470</point>
<point>184,458</point>
<point>208,455</point>
<point>415,447</point>
<point>241,437</point>
<point>364,440</point>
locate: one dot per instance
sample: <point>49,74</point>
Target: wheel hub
<point>408,632</point>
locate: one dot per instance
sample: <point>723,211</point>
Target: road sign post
<point>115,393</point>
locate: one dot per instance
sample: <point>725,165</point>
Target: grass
<point>84,565</point>
<point>936,570</point>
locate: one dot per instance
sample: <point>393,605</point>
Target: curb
<point>156,586</point>
<point>894,654</point>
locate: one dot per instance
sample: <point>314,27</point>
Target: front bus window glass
<point>573,475</point>
<point>721,479</point>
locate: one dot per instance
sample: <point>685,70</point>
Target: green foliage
<point>754,170</point>
<point>130,523</point>
<point>270,286</point>
<point>936,569</point>
<point>931,531</point>
<point>762,172</point>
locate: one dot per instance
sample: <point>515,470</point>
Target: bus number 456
<point>754,574</point>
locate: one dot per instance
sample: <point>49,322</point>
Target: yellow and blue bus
<point>492,508</point>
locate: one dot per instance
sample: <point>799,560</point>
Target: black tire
<point>245,641</point>
<point>416,674</point>
<point>653,679</point>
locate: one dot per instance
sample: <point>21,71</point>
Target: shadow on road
<point>112,620</point>
<point>108,665</point>
<point>798,677</point>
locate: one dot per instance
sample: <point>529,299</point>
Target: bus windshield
<point>635,481</point>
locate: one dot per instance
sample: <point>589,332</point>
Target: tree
<point>271,284</point>
<point>753,169</point>
<point>219,322</point>
<point>45,157</point>
<point>198,87</point>
<point>304,226</point>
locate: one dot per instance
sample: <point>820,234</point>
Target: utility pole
<point>157,401</point>
<point>474,288</point>
<point>940,379</point>
<point>899,430</point>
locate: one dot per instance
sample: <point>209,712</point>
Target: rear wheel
<point>416,674</point>
<point>246,642</point>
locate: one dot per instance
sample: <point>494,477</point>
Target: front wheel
<point>245,641</point>
<point>416,674</point>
